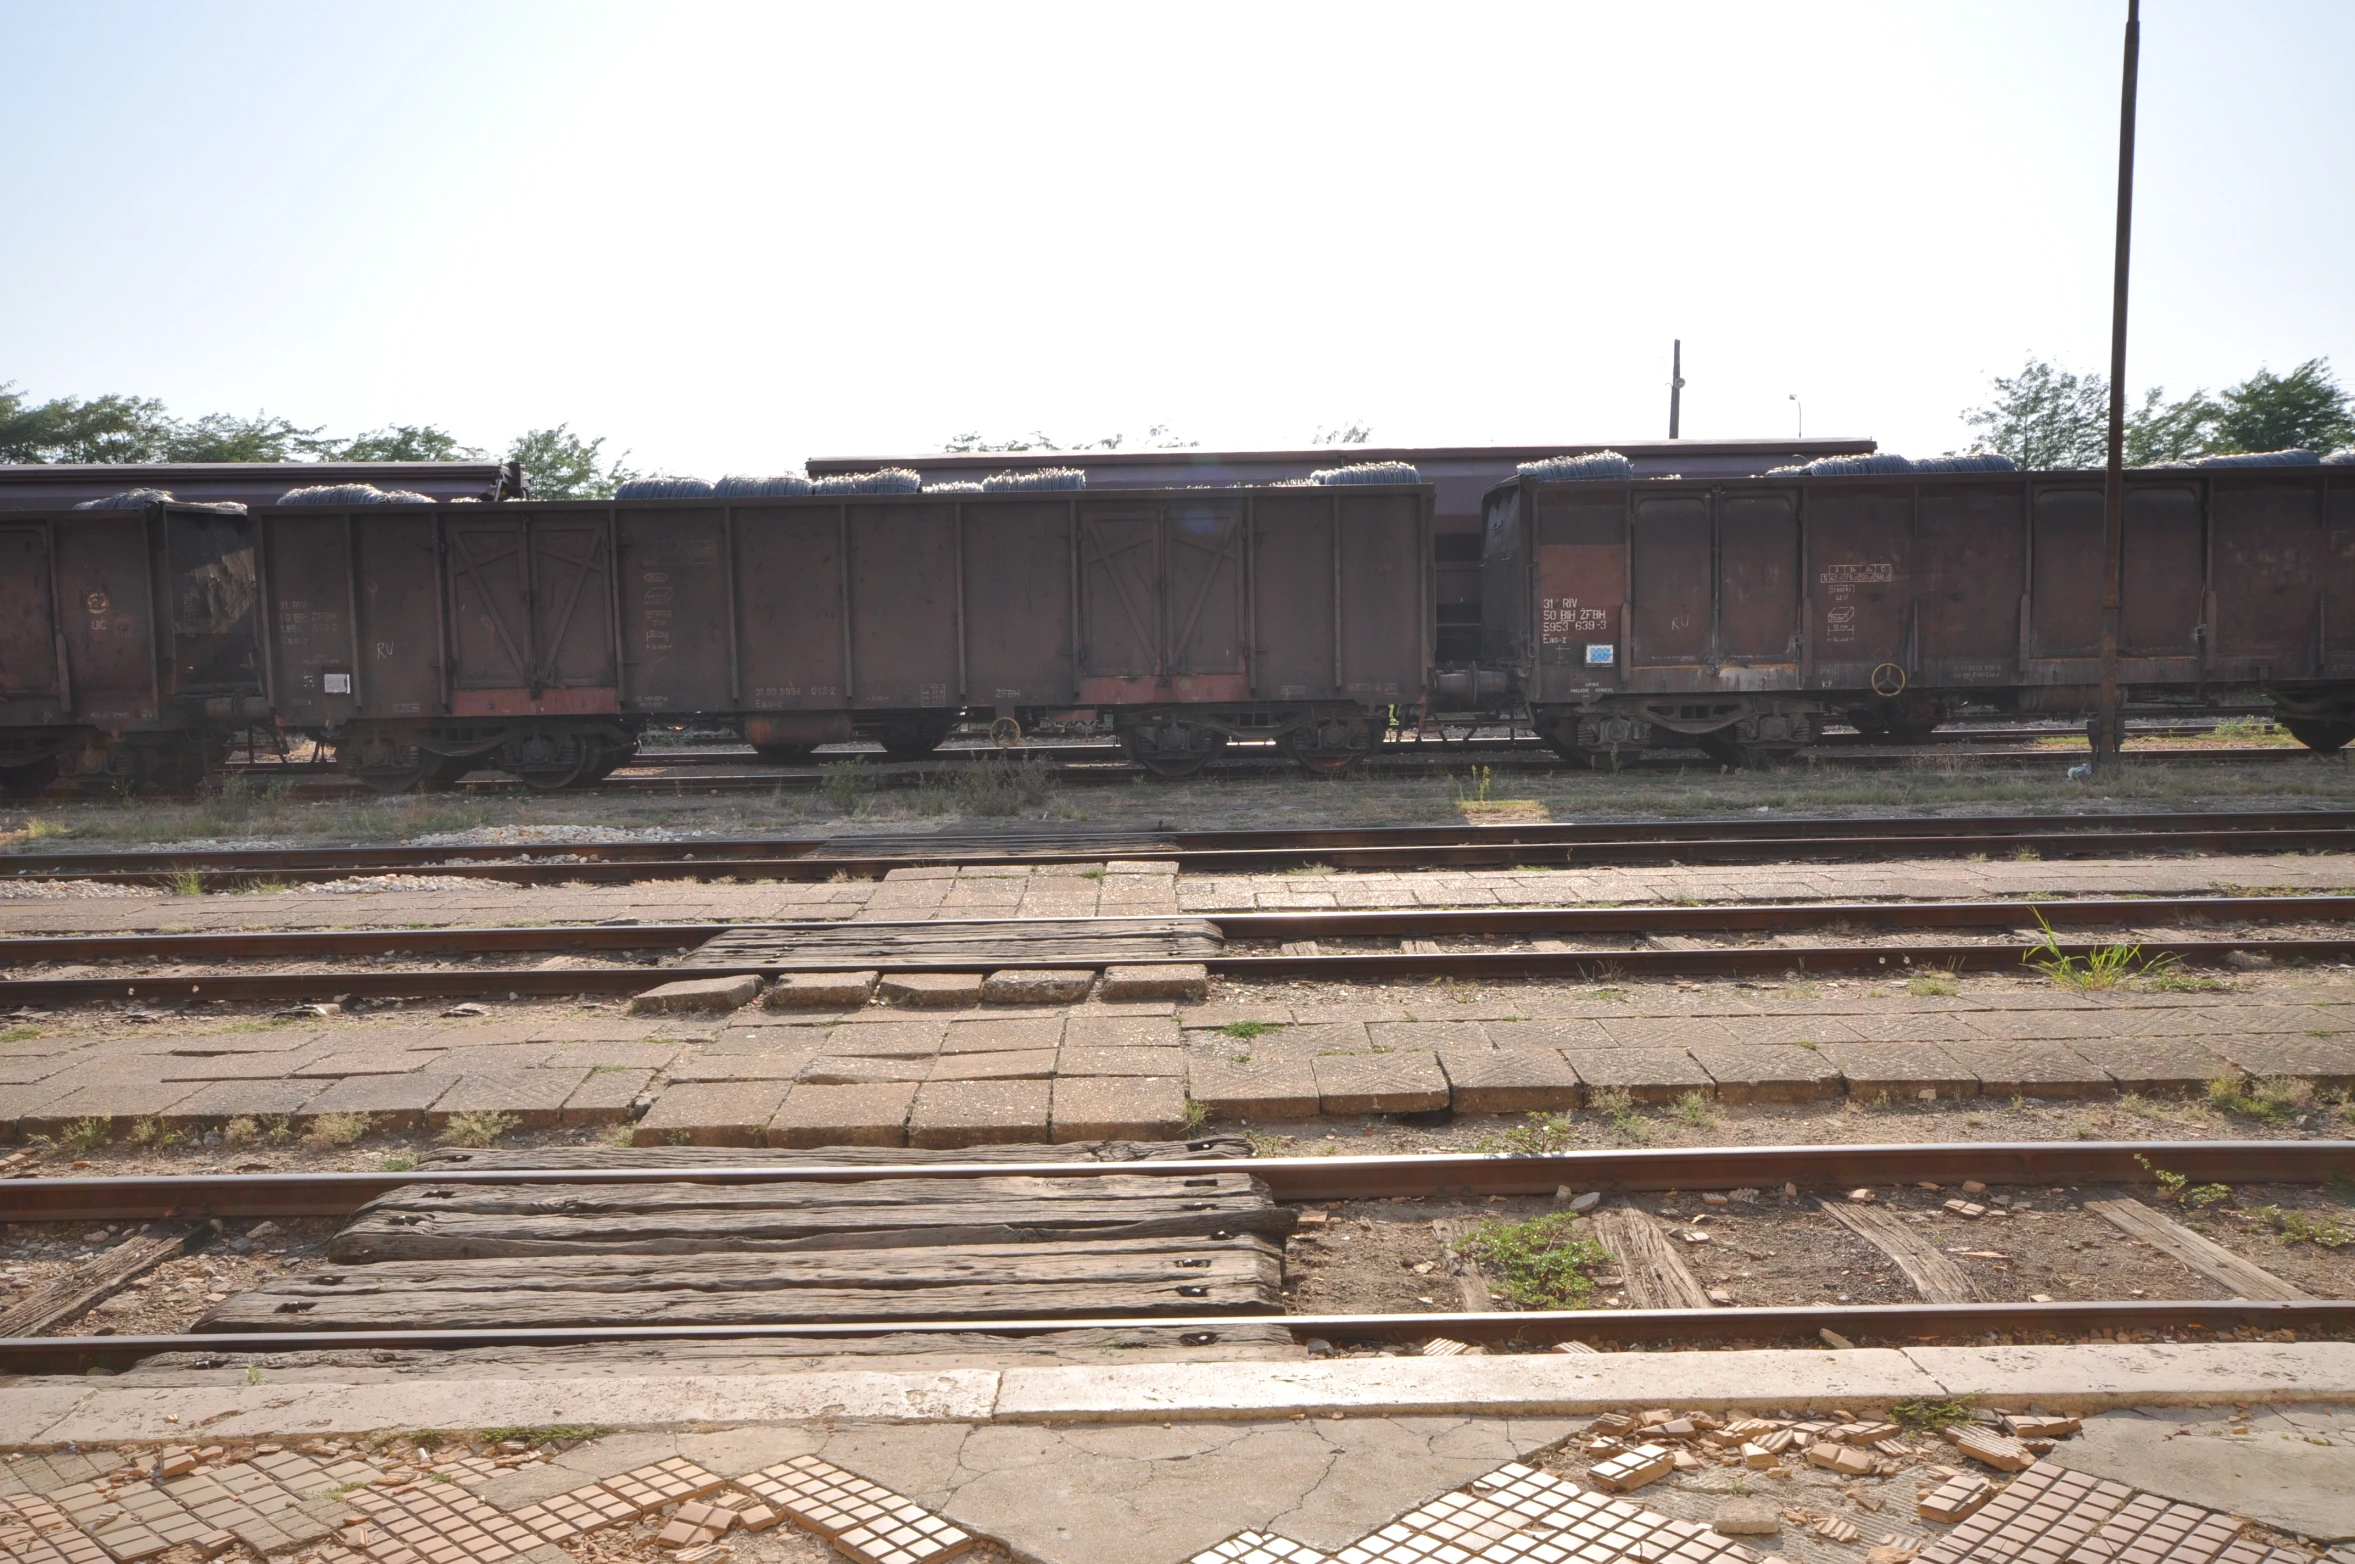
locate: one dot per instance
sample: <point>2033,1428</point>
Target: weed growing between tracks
<point>1542,1263</point>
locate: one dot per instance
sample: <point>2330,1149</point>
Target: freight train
<point>1738,613</point>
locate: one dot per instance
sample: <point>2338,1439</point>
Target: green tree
<point>2164,431</point>
<point>68,429</point>
<point>2302,409</point>
<point>2045,417</point>
<point>225,437</point>
<point>562,465</point>
<point>1351,433</point>
<point>403,443</point>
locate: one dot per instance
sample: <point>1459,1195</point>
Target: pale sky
<point>732,236</point>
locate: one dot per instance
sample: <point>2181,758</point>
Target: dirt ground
<point>852,800</point>
<point>1781,1250</point>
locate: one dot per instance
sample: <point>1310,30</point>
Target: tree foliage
<point>566,466</point>
<point>1351,433</point>
<point>129,429</point>
<point>1160,437</point>
<point>404,443</point>
<point>2046,417</point>
<point>2270,412</point>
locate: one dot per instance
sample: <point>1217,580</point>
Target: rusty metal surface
<point>1981,585</point>
<point>242,1196</point>
<point>1864,1324</point>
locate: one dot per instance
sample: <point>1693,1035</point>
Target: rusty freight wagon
<point>1742,614</point>
<point>541,637</point>
<point>129,642</point>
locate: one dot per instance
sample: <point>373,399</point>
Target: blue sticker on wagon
<point>1600,655</point>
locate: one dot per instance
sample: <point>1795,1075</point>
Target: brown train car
<point>129,643</point>
<point>541,637</point>
<point>1743,613</point>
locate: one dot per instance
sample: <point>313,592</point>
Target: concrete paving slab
<point>1179,980</point>
<point>1409,1081</point>
<point>125,1412</point>
<point>390,1101</point>
<point>887,1039</point>
<point>1031,1064</point>
<point>1769,1072</point>
<point>1255,1089</point>
<point>606,1097</point>
<point>2029,1069</point>
<point>719,1113</point>
<point>1119,1107</point>
<point>2168,1066</point>
<point>1043,987</point>
<point>697,996</point>
<point>1122,1061</point>
<point>2090,1378</point>
<point>533,1098</point>
<point>2327,1061</point>
<point>1091,1029</point>
<point>820,990</point>
<point>843,1116</point>
<point>1509,1080</point>
<point>2279,1476</point>
<point>853,1070</point>
<point>1645,1074</point>
<point>1529,1385</point>
<point>1009,1034</point>
<point>948,1114</point>
<point>221,1101</point>
<point>1899,1070</point>
<point>930,990</point>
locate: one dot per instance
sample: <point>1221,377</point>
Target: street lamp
<point>1801,408</point>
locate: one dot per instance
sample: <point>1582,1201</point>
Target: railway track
<point>1096,764</point>
<point>2045,1168</point>
<point>1582,844</point>
<point>1981,936</point>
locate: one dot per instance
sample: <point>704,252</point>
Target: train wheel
<point>1171,748</point>
<point>547,762</point>
<point>27,780</point>
<point>785,754</point>
<point>386,765</point>
<point>2320,735</point>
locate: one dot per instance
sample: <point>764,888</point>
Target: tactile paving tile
<point>437,1523</point>
<point>2049,1513</point>
<point>1258,1547</point>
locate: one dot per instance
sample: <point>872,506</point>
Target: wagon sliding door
<point>531,615</point>
<point>1581,591</point>
<point>29,640</point>
<point>1162,602</point>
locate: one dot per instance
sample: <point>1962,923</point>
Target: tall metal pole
<point>1675,386</point>
<point>2109,729</point>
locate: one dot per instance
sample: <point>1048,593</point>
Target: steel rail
<point>241,1196</point>
<point>1581,844</point>
<point>1589,965</point>
<point>1862,1324</point>
<point>1315,924</point>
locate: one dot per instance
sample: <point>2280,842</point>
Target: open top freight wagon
<point>542,636</point>
<point>1743,613</point>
